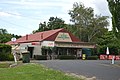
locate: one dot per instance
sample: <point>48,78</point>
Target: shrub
<point>5,48</point>
<point>66,57</point>
<point>92,58</point>
<point>5,51</point>
<point>40,57</point>
<point>6,57</point>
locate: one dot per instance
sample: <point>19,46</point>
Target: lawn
<point>33,72</point>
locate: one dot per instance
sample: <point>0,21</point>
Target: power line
<point>21,16</point>
<point>12,23</point>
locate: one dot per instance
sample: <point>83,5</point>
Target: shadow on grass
<point>5,65</point>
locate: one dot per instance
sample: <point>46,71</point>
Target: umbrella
<point>107,52</point>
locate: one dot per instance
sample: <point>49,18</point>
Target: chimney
<point>27,37</point>
<point>41,35</point>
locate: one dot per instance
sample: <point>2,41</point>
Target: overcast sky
<point>21,17</point>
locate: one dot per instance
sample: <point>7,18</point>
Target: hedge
<point>40,57</point>
<point>66,57</point>
<point>5,53</point>
<point>92,58</point>
<point>6,57</point>
<point>5,48</point>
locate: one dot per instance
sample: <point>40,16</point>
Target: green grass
<point>4,65</point>
<point>33,72</point>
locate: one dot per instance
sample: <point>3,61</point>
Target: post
<point>14,54</point>
<point>113,60</point>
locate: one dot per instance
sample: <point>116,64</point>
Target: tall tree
<point>87,26</point>
<point>108,40</point>
<point>5,36</point>
<point>42,27</point>
<point>53,23</point>
<point>3,31</point>
<point>114,7</point>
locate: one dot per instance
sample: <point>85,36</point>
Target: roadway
<point>101,69</point>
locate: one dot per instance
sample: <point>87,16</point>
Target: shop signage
<point>48,43</point>
<point>74,45</point>
<point>63,37</point>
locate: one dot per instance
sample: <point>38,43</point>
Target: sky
<point>21,17</point>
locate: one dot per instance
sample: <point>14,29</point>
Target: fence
<point>109,57</point>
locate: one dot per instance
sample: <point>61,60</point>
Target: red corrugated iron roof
<point>40,36</point>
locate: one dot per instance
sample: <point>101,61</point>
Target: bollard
<point>113,60</point>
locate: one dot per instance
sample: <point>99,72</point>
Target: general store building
<point>51,43</point>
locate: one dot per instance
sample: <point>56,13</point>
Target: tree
<point>3,31</point>
<point>108,40</point>
<point>87,26</point>
<point>5,36</point>
<point>114,7</point>
<point>42,27</point>
<point>53,23</point>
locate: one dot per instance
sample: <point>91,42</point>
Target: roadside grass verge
<point>32,71</point>
<point>5,65</point>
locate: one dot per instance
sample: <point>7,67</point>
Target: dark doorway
<point>30,49</point>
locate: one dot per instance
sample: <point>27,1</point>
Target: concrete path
<point>101,69</point>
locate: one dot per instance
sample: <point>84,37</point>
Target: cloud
<point>4,14</point>
<point>10,14</point>
<point>31,12</point>
<point>101,7</point>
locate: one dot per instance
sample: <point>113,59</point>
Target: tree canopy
<point>87,25</point>
<point>5,36</point>
<point>108,40</point>
<point>114,7</point>
<point>53,23</point>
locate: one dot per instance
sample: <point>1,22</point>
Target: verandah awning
<point>75,45</point>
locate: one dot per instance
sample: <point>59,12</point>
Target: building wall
<point>37,50</point>
<point>24,46</point>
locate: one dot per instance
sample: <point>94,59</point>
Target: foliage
<point>108,40</point>
<point>5,53</point>
<point>87,26</point>
<point>3,31</point>
<point>53,23</point>
<point>33,72</point>
<point>92,58</point>
<point>114,7</point>
<point>5,36</point>
<point>40,57</point>
<point>6,57</point>
<point>4,49</point>
<point>66,57</point>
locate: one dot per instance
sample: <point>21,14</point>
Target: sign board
<point>48,43</point>
<point>63,37</point>
<point>13,39</point>
<point>73,45</point>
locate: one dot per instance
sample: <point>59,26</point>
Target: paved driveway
<point>102,69</point>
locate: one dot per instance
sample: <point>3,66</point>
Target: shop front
<point>55,49</point>
<point>52,43</point>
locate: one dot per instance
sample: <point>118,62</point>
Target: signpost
<point>13,39</point>
<point>14,53</point>
<point>113,58</point>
